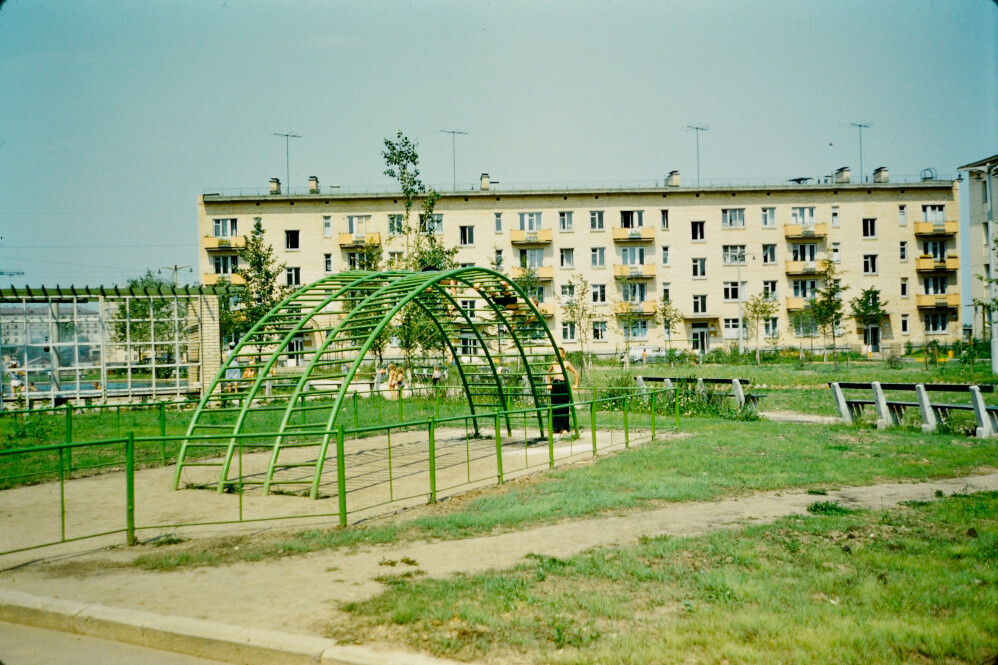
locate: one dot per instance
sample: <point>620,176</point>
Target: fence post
<point>130,488</point>
<point>433,461</point>
<point>341,475</point>
<point>592,421</point>
<point>550,437</point>
<point>653,416</point>
<point>356,412</point>
<point>627,432</point>
<point>498,448</point>
<point>401,417</point>
<point>675,400</point>
<point>62,490</point>
<point>68,438</point>
<point>162,431</point>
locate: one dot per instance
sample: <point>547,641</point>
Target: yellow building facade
<point>707,249</point>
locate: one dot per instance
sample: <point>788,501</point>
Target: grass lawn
<point>914,584</point>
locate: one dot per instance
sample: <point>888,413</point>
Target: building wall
<point>684,206</point>
<point>980,244</point>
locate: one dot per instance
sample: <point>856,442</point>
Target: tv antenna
<point>698,129</point>
<point>861,126</point>
<point>453,149</point>
<point>175,269</point>
<point>287,154</point>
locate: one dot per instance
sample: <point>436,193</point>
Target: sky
<point>115,115</point>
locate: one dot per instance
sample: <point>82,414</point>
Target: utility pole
<point>453,149</point>
<point>287,155</point>
<point>175,269</point>
<point>698,129</point>
<point>861,126</point>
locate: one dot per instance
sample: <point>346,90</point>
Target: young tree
<point>579,310</point>
<point>759,308</point>
<point>262,292</point>
<point>867,309</point>
<point>670,316</point>
<point>802,324</point>
<point>828,304</point>
<point>628,317</point>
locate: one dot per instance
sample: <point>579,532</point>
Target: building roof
<point>993,159</point>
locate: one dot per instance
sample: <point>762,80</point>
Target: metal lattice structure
<point>302,358</point>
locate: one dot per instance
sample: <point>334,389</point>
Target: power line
<point>453,149</point>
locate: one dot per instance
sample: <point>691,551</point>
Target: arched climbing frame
<point>304,354</point>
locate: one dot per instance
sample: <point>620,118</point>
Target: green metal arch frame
<point>387,293</point>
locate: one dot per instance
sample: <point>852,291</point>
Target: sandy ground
<point>301,594</point>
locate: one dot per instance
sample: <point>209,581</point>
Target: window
<point>805,288</point>
<point>802,216</point>
<point>327,227</point>
<point>328,260</point>
<point>396,225</point>
<point>596,220</point>
<point>665,255</point>
<point>468,264</point>
<point>599,331</point>
<point>567,292</point>
<point>903,251</point>
<point>394,259</point>
<point>599,292</point>
<point>226,264</point>
<point>665,220</point>
<point>700,268</point>
<point>632,256</point>
<point>467,235</point>
<point>869,264</point>
<point>835,252</point>
<point>568,331</point>
<point>353,260</point>
<point>498,259</point>
<point>631,219</point>
<point>358,224</point>
<point>530,221</point>
<point>936,249</point>
<point>869,227</point>
<point>936,323</point>
<point>902,216</point>
<point>469,344</point>
<point>290,240</point>
<point>731,291</point>
<point>771,327</point>
<point>733,255</point>
<point>934,213</point>
<point>433,224</point>
<point>633,291</point>
<point>498,222</point>
<point>904,287</point>
<point>934,286</point>
<point>769,289</point>
<point>904,324</point>
<point>567,258</point>
<point>599,257</point>
<point>225,228</point>
<point>666,292</point>
<point>699,304</point>
<point>835,217</point>
<point>468,306</point>
<point>733,218</point>
<point>696,230</point>
<point>637,329</point>
<point>805,327</point>
<point>768,254</point>
<point>531,258</point>
<point>731,328</point>
<point>565,221</point>
<point>769,218</point>
<point>293,276</point>
<point>804,252</point>
<point>537,293</point>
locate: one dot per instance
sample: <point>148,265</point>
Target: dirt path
<point>300,594</point>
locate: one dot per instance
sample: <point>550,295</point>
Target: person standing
<point>560,398</point>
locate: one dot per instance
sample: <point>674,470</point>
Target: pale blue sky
<point>115,115</point>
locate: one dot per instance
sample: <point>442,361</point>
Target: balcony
<point>634,272</point>
<point>936,228</point>
<point>938,301</point>
<point>799,231</point>
<point>796,304</point>
<point>643,308</point>
<point>934,264</point>
<point>211,243</point>
<point>359,239</point>
<point>538,237</point>
<point>640,234</point>
<point>801,268</point>
<point>545,308</point>
<point>211,279</point>
<point>544,273</point>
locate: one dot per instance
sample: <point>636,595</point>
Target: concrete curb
<point>193,637</point>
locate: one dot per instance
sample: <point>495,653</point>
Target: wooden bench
<point>743,400</point>
<point>891,412</point>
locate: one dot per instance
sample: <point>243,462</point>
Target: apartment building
<point>707,249</point>
<point>982,188</point>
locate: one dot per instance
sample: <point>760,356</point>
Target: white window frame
<point>565,220</point>
<point>531,221</point>
<point>870,264</point>
<point>769,218</point>
<point>225,227</point>
<point>598,257</point>
<point>699,268</point>
<point>733,255</point>
<point>768,255</point>
<point>566,256</point>
<point>665,255</point>
<point>732,218</point>
<point>595,220</point>
<point>599,293</point>
<point>467,235</point>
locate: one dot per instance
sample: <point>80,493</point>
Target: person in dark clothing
<point>560,421</point>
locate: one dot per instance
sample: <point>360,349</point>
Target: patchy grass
<point>912,584</point>
<point>713,460</point>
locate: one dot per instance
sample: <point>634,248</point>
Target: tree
<point>670,316</point>
<point>629,316</point>
<point>759,308</point>
<point>867,309</point>
<point>827,305</point>
<point>802,324</point>
<point>259,269</point>
<point>579,310</point>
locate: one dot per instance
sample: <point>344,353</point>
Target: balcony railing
<point>211,279</point>
<point>938,300</point>
<point>640,234</point>
<point>936,228</point>
<point>796,303</point>
<point>359,239</point>
<point>538,237</point>
<point>800,231</point>
<point>800,267</point>
<point>643,308</point>
<point>542,272</point>
<point>933,263</point>
<point>634,272</point>
<point>233,242</point>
